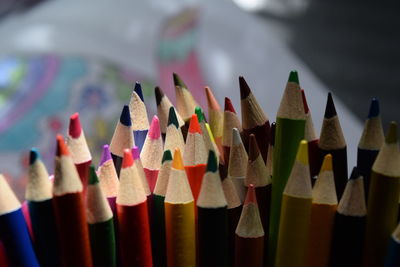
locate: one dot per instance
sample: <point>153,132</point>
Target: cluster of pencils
<point>186,191</point>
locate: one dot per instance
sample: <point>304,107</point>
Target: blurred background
<point>58,57</point>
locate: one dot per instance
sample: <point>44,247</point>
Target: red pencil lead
<point>229,106</point>
<point>62,149</point>
<point>75,128</point>
<point>128,159</point>
<point>251,195</point>
<point>154,131</point>
<point>194,126</point>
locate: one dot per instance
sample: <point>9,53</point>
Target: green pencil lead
<point>212,165</point>
<point>92,175</point>
<point>172,119</point>
<point>391,137</point>
<point>178,81</point>
<point>199,113</point>
<point>294,77</point>
<point>167,156</point>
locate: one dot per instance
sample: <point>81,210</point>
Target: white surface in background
<point>230,42</point>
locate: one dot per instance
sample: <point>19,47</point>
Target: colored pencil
<point>290,126</point>
<point>393,255</point>
<point>122,138</point>
<point>270,157</point>
<point>230,121</point>
<point>185,102</point>
<point>331,141</point>
<point>238,167</point>
<point>254,120</point>
<point>179,217</point>
<point>173,137</point>
<point>323,209</point>
<point>151,154</point>
<point>295,214</point>
<point>163,111</point>
<point>383,200</point>
<point>212,218</point>
<point>312,139</point>
<point>108,178</point>
<point>141,172</point>
<point>195,156</point>
<point>39,197</point>
<point>78,147</point>
<point>371,141</point>
<point>13,230</point>
<point>138,111</point>
<point>69,210</point>
<point>249,234</point>
<point>133,220</point>
<point>208,136</point>
<point>349,226</point>
<point>234,209</point>
<point>215,117</point>
<point>3,256</point>
<point>257,175</point>
<point>101,224</point>
<point>158,232</point>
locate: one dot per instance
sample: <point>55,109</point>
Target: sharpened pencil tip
<point>159,95</point>
<point>236,138</point>
<point>330,110</point>
<point>199,112</point>
<point>355,174</point>
<point>106,155</point>
<point>391,136</point>
<point>178,81</point>
<point>33,155</point>
<point>138,90</point>
<point>244,88</point>
<point>228,105</point>
<point>373,108</point>
<point>177,162</point>
<point>125,117</point>
<point>212,165</point>
<point>293,77</point>
<point>327,163</point>
<point>305,104</point>
<point>93,175</point>
<point>302,152</point>
<point>154,131</point>
<point>135,152</point>
<point>254,151</point>
<point>194,126</point>
<point>211,101</point>
<point>61,149</point>
<point>75,127</point>
<point>251,195</point>
<point>167,156</point>
<point>127,161</point>
<point>172,119</point>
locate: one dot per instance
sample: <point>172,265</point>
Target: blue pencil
<point>140,121</point>
<point>13,230</point>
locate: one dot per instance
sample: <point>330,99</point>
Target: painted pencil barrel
<point>102,241</point>
<point>158,232</point>
<point>249,252</point>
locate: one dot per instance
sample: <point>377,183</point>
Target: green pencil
<point>101,224</point>
<point>290,126</point>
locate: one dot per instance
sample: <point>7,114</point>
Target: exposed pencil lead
<point>212,165</point>
<point>199,113</point>
<point>172,119</point>
<point>138,90</point>
<point>75,128</point>
<point>391,136</point>
<point>244,88</point>
<point>355,174</point>
<point>251,195</point>
<point>33,156</point>
<point>61,149</point>
<point>178,81</point>
<point>135,152</point>
<point>92,175</point>
<point>373,108</point>
<point>154,131</point>
<point>327,163</point>
<point>303,95</point>
<point>293,77</point>
<point>127,161</point>
<point>177,162</point>
<point>166,156</point>
<point>159,95</point>
<point>106,155</point>
<point>330,110</point>
<point>229,106</point>
<point>194,126</point>
<point>125,117</point>
<point>302,153</point>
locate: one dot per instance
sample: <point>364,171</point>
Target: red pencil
<point>79,149</point>
<point>133,220</point>
<point>69,210</point>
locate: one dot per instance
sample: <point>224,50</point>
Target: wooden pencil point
<point>212,102</point>
<point>177,162</point>
<point>254,151</point>
<point>293,77</point>
<point>391,136</point>
<point>159,95</point>
<point>93,179</point>
<point>194,126</point>
<point>128,159</point>
<point>212,165</point>
<point>138,90</point>
<point>125,117</point>
<point>172,119</point>
<point>75,128</point>
<point>330,110</point>
<point>373,108</point>
<point>244,88</point>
